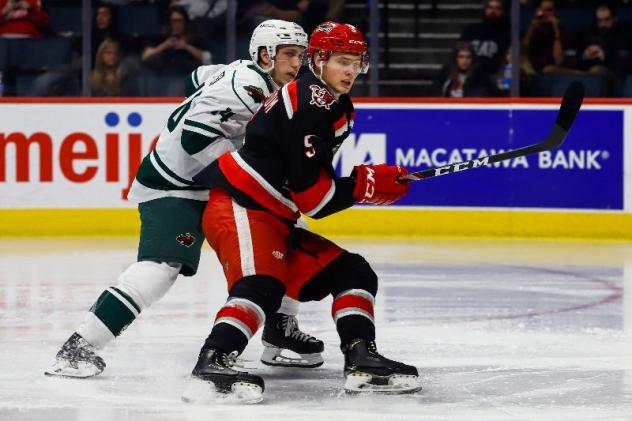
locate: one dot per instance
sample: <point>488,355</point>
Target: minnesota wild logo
<point>256,93</point>
<point>186,240</point>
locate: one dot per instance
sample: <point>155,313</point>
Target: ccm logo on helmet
<point>326,27</point>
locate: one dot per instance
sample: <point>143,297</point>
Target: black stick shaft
<point>571,103</point>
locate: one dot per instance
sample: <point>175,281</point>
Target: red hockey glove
<point>377,184</point>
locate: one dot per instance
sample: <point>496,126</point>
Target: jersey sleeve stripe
<point>196,81</point>
<point>189,86</point>
<point>312,200</point>
<point>291,90</point>
<point>342,121</point>
<point>232,82</point>
<point>196,124</point>
<point>149,177</point>
<point>166,173</point>
<point>193,142</point>
<point>244,178</point>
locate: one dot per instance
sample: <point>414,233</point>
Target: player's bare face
<point>341,70</point>
<point>287,64</point>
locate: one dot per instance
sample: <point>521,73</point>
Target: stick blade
<point>571,103</point>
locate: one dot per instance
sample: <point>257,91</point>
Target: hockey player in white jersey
<point>206,124</point>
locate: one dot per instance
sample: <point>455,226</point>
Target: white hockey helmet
<point>273,33</point>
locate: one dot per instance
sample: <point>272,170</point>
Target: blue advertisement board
<point>585,173</point>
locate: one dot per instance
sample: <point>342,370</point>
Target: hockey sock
<point>142,284</point>
<point>115,310</point>
<point>236,322</point>
<point>352,311</point>
<point>250,301</point>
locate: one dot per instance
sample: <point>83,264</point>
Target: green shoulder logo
<point>256,93</point>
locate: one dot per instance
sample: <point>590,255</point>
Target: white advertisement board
<point>74,155</point>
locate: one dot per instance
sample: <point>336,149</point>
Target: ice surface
<point>500,330</point>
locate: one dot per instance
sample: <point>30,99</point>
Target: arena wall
<point>65,166</point>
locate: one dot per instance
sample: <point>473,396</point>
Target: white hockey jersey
<point>209,122</point>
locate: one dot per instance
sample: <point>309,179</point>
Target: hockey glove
<point>378,185</point>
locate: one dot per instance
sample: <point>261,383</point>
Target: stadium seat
<point>65,19</point>
<point>627,86</point>
<point>24,84</point>
<point>47,83</point>
<point>624,14</point>
<point>593,84</point>
<point>526,14</point>
<point>139,20</point>
<point>4,55</point>
<point>539,86</point>
<point>163,85</point>
<point>578,20</point>
<point>39,54</point>
<point>555,85</point>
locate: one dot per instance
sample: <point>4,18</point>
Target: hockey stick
<point>571,103</point>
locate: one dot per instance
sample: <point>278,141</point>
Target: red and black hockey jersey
<point>285,165</point>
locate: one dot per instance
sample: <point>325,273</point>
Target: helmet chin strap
<point>269,71</point>
<point>274,82</point>
<point>319,76</point>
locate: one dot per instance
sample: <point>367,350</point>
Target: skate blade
<point>362,383</point>
<point>65,369</point>
<point>203,393</point>
<point>274,357</point>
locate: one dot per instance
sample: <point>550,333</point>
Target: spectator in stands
<point>258,11</point>
<point>253,12</point>
<point>549,47</point>
<point>181,51</point>
<point>316,12</point>
<point>207,17</point>
<point>202,8</point>
<point>490,37</point>
<point>307,13</point>
<point>22,19</point>
<point>461,78</point>
<point>104,26</point>
<point>566,3</point>
<point>603,49</point>
<point>109,77</point>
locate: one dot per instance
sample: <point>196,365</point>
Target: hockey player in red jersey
<point>285,169</point>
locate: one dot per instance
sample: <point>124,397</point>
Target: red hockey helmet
<point>333,37</point>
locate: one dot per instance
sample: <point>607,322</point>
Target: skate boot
<point>76,358</point>
<point>215,367</point>
<point>281,332</point>
<point>368,371</point>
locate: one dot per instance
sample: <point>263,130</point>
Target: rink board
<point>65,168</point>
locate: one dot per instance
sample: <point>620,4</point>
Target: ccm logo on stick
<point>462,166</point>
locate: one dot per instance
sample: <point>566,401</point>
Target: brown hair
<point>188,34</point>
<point>100,83</point>
<point>453,69</point>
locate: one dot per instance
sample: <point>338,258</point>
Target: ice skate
<point>368,371</point>
<point>281,333</point>
<point>76,358</point>
<point>214,380</point>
